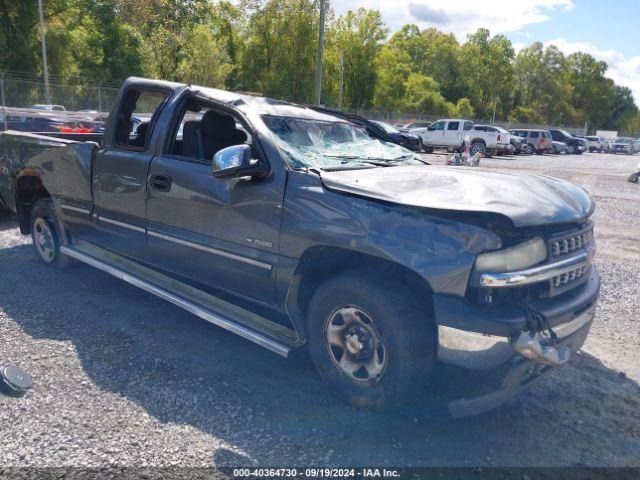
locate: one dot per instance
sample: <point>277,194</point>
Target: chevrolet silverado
<point>297,231</point>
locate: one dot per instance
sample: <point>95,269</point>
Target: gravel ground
<point>123,378</point>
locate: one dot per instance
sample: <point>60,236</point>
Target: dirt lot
<point>124,378</point>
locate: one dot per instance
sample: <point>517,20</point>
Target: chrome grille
<point>569,243</point>
<point>566,278</point>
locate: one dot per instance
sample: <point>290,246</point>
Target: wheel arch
<point>478,140</point>
<point>320,263</point>
<point>29,189</point>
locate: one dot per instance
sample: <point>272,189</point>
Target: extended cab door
<point>217,232</point>
<point>120,172</point>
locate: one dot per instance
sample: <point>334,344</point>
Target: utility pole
<point>320,49</point>
<point>495,106</point>
<point>341,81</point>
<point>47,94</point>
<point>4,105</point>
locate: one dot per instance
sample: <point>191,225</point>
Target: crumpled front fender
<point>439,250</point>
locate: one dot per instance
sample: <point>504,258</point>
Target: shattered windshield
<point>333,144</point>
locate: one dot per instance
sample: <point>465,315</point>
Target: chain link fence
<point>23,92</point>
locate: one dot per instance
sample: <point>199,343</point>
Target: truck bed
<point>71,159</point>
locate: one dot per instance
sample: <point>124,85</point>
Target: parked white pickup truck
<point>450,133</point>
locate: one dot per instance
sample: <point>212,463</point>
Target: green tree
<point>488,71</point>
<point>463,109</point>
<point>631,125</point>
<point>434,54</point>
<point>591,91</point>
<point>227,23</point>
<point>422,95</point>
<point>279,55</point>
<point>393,67</point>
<point>356,38</point>
<point>269,46</point>
<point>204,59</point>
<point>540,82</point>
<point>525,115</point>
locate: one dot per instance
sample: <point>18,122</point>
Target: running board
<point>240,321</point>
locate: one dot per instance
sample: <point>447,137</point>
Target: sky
<point>607,30</point>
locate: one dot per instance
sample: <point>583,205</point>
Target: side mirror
<point>236,161</point>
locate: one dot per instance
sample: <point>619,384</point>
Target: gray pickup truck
<point>296,230</point>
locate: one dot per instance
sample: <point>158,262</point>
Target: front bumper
<point>413,144</point>
<point>514,376</point>
<point>480,340</point>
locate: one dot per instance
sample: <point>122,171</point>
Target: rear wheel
<point>428,149</point>
<point>478,147</point>
<point>370,341</point>
<point>45,235</point>
<point>527,149</point>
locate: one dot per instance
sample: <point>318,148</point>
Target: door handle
<point>160,182</point>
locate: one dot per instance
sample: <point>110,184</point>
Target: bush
<point>462,109</point>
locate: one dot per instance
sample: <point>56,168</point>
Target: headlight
<point>515,258</point>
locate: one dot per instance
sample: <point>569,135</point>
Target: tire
<point>573,150</point>
<point>478,147</point>
<point>428,149</point>
<point>527,149</point>
<point>45,235</point>
<point>490,152</point>
<point>358,306</point>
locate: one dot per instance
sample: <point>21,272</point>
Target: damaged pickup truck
<point>295,229</point>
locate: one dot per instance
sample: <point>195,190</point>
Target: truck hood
<point>526,199</point>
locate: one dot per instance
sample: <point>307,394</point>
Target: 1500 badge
<point>260,243</point>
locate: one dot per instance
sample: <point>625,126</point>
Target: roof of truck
<point>262,105</point>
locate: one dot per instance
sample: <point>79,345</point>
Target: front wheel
<point>527,149</point>
<point>370,341</point>
<point>45,235</point>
